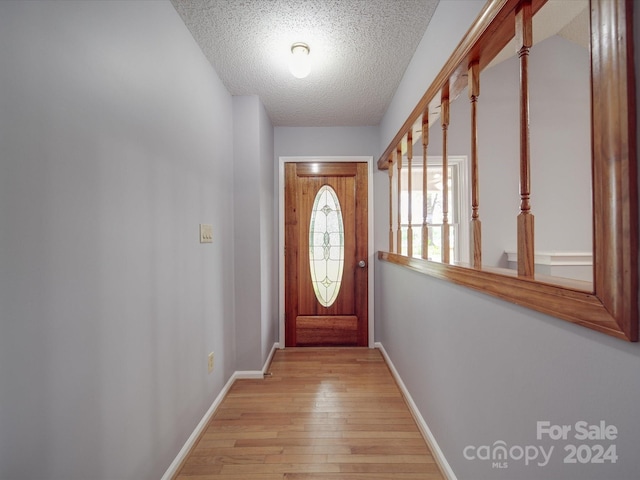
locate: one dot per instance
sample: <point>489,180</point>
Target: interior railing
<point>609,303</point>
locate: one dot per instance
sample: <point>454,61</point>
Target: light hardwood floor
<point>324,414</point>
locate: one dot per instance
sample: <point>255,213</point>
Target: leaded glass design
<point>326,246</point>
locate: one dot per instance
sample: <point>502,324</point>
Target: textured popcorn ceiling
<point>359,52</point>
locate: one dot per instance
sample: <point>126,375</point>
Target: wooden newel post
<point>399,232</point>
<point>524,36</point>
<point>476,226</point>
<point>444,120</point>
<point>425,143</point>
<point>390,168</point>
<point>409,213</point>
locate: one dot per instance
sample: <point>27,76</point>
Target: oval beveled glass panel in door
<point>326,246</point>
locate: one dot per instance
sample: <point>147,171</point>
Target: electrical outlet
<point>211,362</point>
<point>206,233</point>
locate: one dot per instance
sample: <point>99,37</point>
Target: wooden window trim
<point>611,306</point>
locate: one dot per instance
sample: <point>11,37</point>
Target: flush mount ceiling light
<point>299,65</point>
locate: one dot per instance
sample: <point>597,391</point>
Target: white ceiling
<point>359,52</point>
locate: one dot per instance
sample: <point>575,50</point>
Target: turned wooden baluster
<point>476,230</point>
<point>444,120</point>
<point>409,172</point>
<point>425,142</point>
<point>390,161</point>
<point>399,166</point>
<point>525,218</point>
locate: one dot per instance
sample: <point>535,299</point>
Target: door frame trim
<point>370,251</point>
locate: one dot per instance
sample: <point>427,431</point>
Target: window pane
<point>434,212</point>
<point>326,246</point>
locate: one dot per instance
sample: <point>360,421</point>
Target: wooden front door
<point>326,278</point>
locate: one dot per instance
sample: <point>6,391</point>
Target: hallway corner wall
<point>254,232</point>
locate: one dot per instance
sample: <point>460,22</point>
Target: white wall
<point>268,234</point>
<point>325,141</point>
<point>483,370</point>
<point>255,265</point>
<point>115,143</point>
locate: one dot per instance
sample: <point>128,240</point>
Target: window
<point>326,246</point>
<point>458,201</point>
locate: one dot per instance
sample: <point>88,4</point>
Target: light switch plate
<point>206,233</point>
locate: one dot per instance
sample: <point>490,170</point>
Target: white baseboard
<point>175,465</point>
<point>258,373</point>
<point>184,451</point>
<point>267,363</point>
<point>422,425</point>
